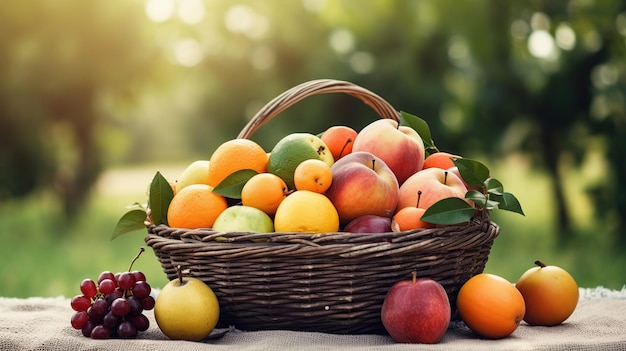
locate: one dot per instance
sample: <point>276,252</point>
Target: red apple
<point>416,311</point>
<point>434,183</point>
<point>362,184</point>
<point>369,224</point>
<point>401,148</point>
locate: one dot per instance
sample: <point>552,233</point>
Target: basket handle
<point>316,87</point>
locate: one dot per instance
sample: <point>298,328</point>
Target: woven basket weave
<point>331,282</point>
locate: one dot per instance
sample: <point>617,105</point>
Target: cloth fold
<point>598,323</point>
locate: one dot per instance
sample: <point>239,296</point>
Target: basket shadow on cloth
<point>330,282</point>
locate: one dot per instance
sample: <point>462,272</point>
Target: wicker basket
<point>331,282</point>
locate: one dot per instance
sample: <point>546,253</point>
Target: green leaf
<point>450,210</point>
<point>473,172</point>
<point>494,186</point>
<point>509,202</point>
<point>231,186</point>
<point>130,221</point>
<point>420,126</point>
<point>161,195</point>
<point>476,196</point>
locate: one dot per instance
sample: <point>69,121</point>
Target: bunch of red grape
<point>114,306</point>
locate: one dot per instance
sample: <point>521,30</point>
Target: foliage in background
<point>90,85</point>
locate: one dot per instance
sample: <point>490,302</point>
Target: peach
<point>339,140</point>
<point>400,147</point>
<point>434,184</point>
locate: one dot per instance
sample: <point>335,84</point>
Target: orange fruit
<point>195,206</point>
<point>339,140</point>
<point>264,191</point>
<point>314,175</point>
<point>409,218</point>
<point>235,155</point>
<point>490,305</point>
<point>550,294</point>
<point>439,160</point>
<point>307,212</point>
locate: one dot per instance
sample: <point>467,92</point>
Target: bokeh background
<point>96,96</point>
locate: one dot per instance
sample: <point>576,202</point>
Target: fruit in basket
<point>243,219</point>
<point>416,311</point>
<point>314,175</point>
<point>195,206</point>
<point>291,150</point>
<point>400,147</point>
<point>186,308</point>
<point>490,305</point>
<point>434,184</point>
<point>264,191</point>
<point>307,212</point>
<point>439,159</point>
<point>362,184</point>
<point>235,155</point>
<point>409,218</point>
<point>196,173</point>
<point>339,140</point>
<point>369,224</point>
<point>550,294</point>
<point>113,306</point>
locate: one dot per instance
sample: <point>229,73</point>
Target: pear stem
<point>179,272</point>
<point>540,264</point>
<point>141,250</point>
<point>414,274</point>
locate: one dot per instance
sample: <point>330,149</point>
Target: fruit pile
<point>418,310</point>
<point>114,306</point>
<point>384,178</point>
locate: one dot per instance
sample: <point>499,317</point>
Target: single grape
<point>100,306</point>
<point>148,303</point>
<point>136,306</point>
<point>106,275</point>
<point>80,303</point>
<point>87,328</point>
<point>100,332</point>
<point>120,307</point>
<point>107,286</point>
<point>139,276</point>
<point>141,289</point>
<point>126,330</point>
<point>111,321</point>
<point>141,322</point>
<point>88,288</point>
<point>79,319</point>
<point>126,280</point>
<point>95,317</point>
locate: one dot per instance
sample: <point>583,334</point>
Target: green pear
<point>196,173</point>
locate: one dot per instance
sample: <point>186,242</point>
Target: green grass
<point>41,255</point>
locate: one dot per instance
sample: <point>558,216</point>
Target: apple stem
<point>540,264</point>
<point>343,148</point>
<point>445,177</point>
<point>141,249</point>
<point>179,272</point>
<point>373,163</point>
<point>419,196</point>
<point>414,274</point>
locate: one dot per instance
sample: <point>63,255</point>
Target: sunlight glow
<point>541,45</point>
<point>242,19</point>
<point>458,52</point>
<point>342,41</point>
<point>188,52</point>
<point>314,5</point>
<point>191,11</point>
<point>159,10</point>
<point>263,58</point>
<point>362,62</point>
<point>565,37</point>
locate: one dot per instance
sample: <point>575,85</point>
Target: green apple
<point>186,309</point>
<point>196,173</point>
<point>243,219</point>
